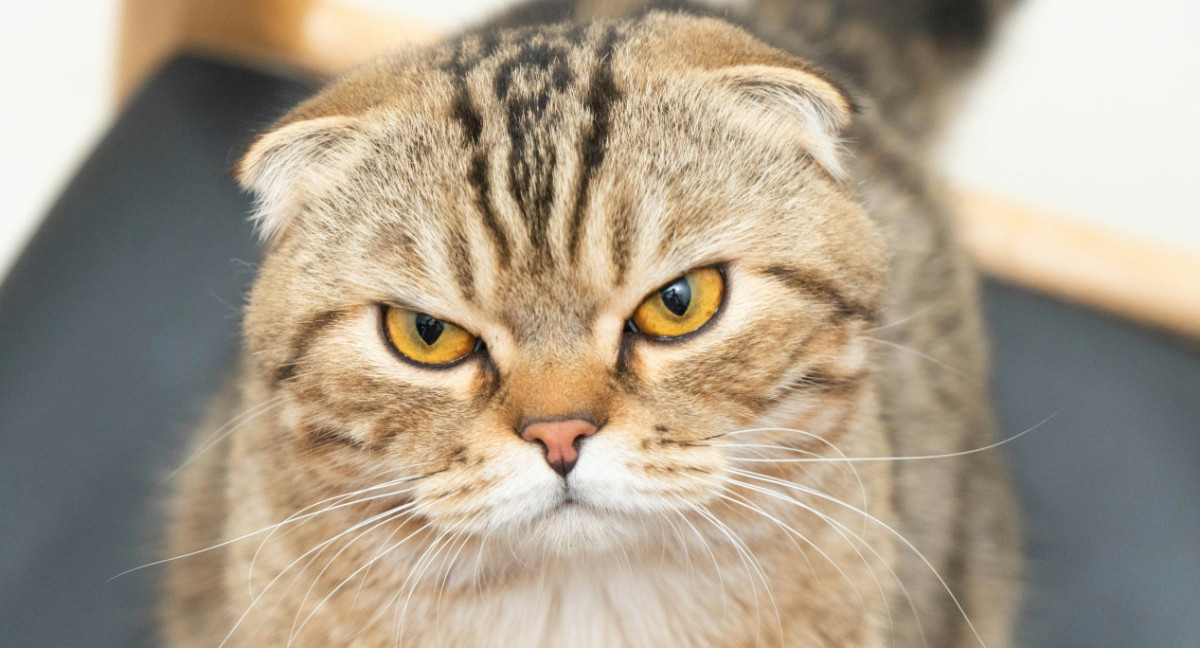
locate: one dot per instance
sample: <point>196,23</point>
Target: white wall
<point>56,81</point>
<point>1088,106</point>
<point>1092,107</point>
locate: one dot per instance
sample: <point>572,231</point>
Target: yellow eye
<point>683,305</point>
<point>426,339</point>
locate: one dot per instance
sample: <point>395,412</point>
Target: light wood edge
<point>1143,281</point>
<point>1082,263</point>
<point>320,37</point>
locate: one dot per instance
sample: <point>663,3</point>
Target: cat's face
<point>462,238</point>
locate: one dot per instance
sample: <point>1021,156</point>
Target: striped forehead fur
<point>533,107</point>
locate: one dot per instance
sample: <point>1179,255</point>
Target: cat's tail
<point>960,29</point>
<point>907,57</point>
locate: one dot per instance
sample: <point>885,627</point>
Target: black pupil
<point>677,296</point>
<point>428,328</point>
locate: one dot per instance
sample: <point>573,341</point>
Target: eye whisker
<point>907,318</point>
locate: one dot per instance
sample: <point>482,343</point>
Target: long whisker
<point>919,354</point>
<point>844,459</point>
<point>838,528</point>
<point>748,505</point>
<point>224,431</point>
<point>764,446</point>
<point>750,561</point>
<point>896,534</point>
<point>478,565</point>
<point>360,570</point>
<point>862,489</point>
<point>448,564</point>
<point>687,555</point>
<point>836,525</point>
<point>285,570</point>
<point>716,564</point>
<point>369,529</point>
<point>377,558</point>
<point>423,564</point>
<point>339,505</point>
<point>295,517</point>
<point>842,530</point>
<point>386,542</point>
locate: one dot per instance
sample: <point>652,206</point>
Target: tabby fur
<point>532,181</point>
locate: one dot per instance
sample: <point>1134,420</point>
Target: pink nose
<point>561,440</point>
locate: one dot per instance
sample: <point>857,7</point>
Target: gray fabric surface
<point>116,322</point>
<point>1111,485</point>
<point>121,316</point>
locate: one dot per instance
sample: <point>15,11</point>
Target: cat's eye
<point>681,306</point>
<point>425,339</point>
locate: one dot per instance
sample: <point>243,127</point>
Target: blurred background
<point>1087,107</point>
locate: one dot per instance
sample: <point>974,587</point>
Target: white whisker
<point>919,354</point>
<point>266,529</point>
<point>294,630</point>
<point>899,536</point>
<point>319,547</point>
<point>844,459</point>
<point>225,430</point>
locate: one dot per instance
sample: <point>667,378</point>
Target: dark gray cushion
<point>120,318</point>
<point>116,323</point>
<point>1111,485</point>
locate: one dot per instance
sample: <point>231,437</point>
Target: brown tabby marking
<point>532,183</point>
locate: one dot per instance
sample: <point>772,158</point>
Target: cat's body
<point>533,186</point>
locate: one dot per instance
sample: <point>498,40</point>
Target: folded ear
<point>779,93</point>
<point>782,99</point>
<point>295,162</point>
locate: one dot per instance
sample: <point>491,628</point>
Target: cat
<point>611,324</point>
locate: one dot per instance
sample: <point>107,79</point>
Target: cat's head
<point>539,272</point>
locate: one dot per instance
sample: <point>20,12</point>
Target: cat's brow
<point>812,283</point>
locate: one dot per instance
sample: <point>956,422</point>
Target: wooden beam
<point>320,37</point>
<point>151,30</point>
<point>1141,280</point>
<point>1083,263</point>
